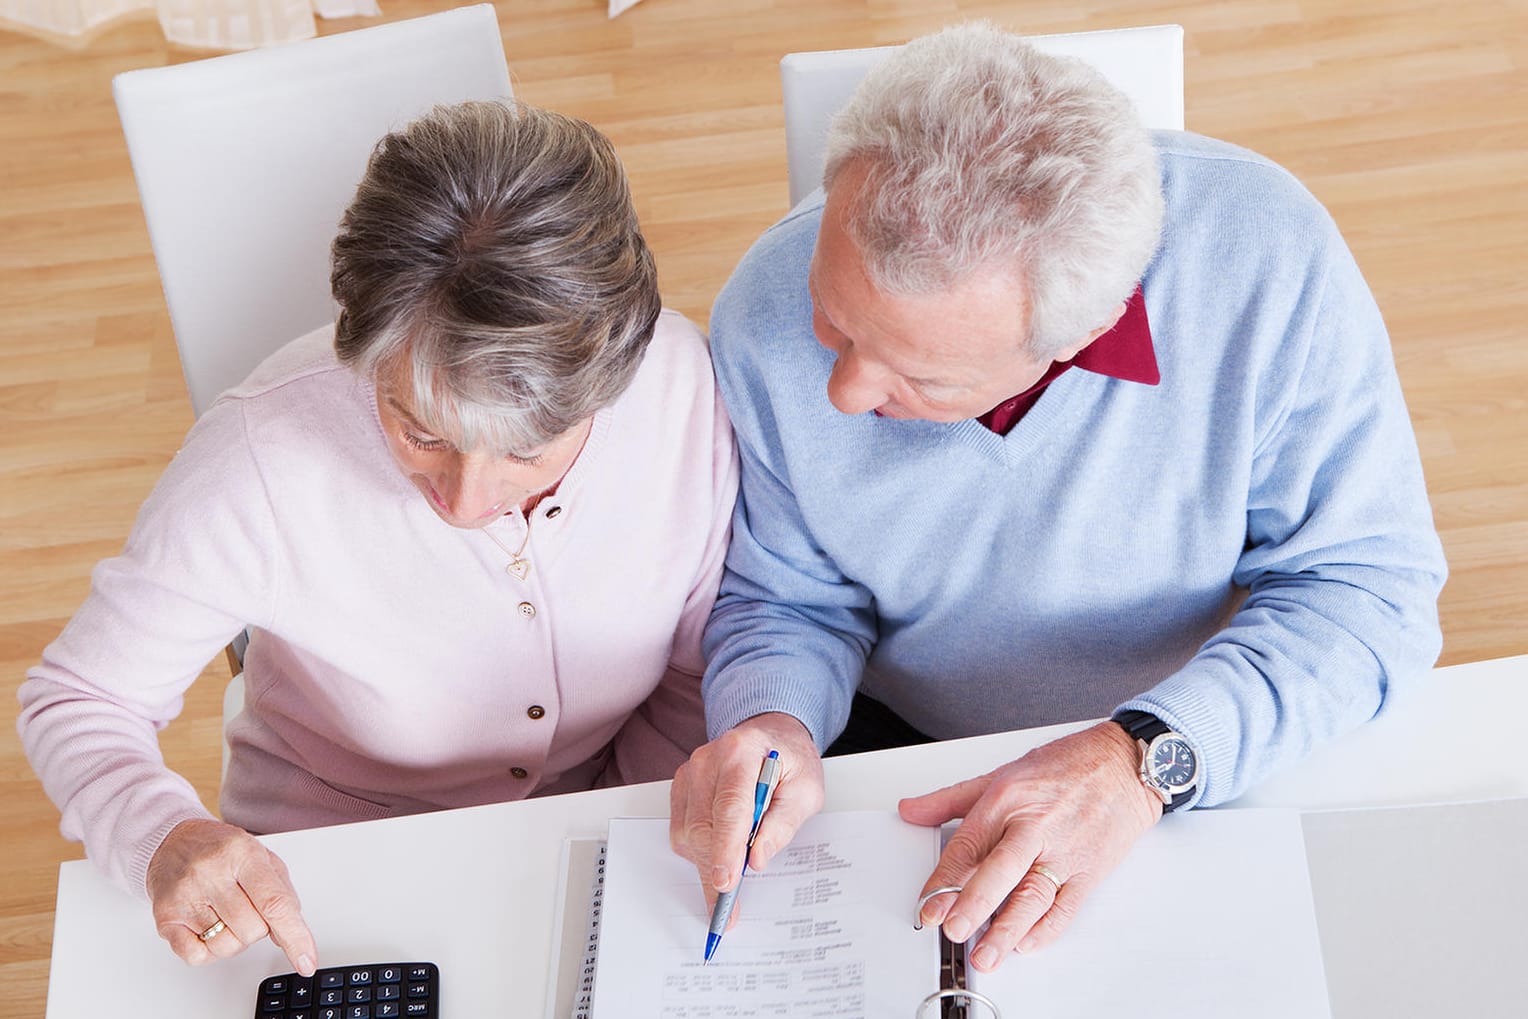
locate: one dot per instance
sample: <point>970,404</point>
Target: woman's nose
<point>469,490</point>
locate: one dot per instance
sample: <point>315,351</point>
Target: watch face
<point>1171,762</point>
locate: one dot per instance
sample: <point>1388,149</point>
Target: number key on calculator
<point>390,990</point>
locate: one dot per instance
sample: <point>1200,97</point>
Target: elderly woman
<point>475,528</point>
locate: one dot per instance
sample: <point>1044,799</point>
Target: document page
<point>825,931</point>
<point>1211,915</point>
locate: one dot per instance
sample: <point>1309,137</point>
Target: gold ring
<point>1047,874</point>
<point>213,931</point>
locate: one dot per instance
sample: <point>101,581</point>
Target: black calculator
<point>389,990</point>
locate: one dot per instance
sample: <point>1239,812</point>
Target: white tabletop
<point>474,890</point>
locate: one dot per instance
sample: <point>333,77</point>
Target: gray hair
<point>978,150</point>
<point>494,245</point>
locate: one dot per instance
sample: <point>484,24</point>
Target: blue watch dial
<point>1171,763</point>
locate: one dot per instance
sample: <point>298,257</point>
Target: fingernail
<point>305,965</point>
<point>957,928</point>
<point>984,957</point>
<point>719,875</point>
<point>1027,945</point>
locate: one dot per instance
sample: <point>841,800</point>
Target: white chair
<point>1144,63</point>
<point>246,162</point>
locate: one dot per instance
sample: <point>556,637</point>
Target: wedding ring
<point>213,931</point>
<point>1047,874</point>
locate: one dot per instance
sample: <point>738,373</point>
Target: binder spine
<point>584,1001</point>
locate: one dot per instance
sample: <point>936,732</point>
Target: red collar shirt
<point>1124,352</point>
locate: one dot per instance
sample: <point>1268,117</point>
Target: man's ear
<point>1070,352</point>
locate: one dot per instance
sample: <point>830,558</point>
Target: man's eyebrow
<point>811,290</point>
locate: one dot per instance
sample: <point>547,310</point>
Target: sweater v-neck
<point>1064,401</point>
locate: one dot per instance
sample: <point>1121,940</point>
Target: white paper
<point>825,931</point>
<point>1210,915</point>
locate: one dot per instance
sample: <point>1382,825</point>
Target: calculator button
<point>276,1003</point>
<point>419,972</point>
<point>331,978</point>
<point>356,994</point>
<point>304,1014</point>
<point>302,993</point>
<point>419,990</point>
<point>329,1013</point>
<point>389,974</point>
<point>331,997</point>
<point>275,985</point>
<point>360,976</point>
<point>386,1010</point>
<point>387,992</point>
<point>416,1009</point>
<point>357,1012</point>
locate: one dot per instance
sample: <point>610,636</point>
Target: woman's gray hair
<point>494,246</point>
<point>978,150</point>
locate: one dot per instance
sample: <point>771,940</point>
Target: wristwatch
<point>1169,766</point>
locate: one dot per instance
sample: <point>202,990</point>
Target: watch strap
<point>1145,727</point>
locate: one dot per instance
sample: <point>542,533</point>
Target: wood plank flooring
<point>1409,119</point>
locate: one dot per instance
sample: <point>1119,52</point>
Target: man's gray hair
<point>494,246</point>
<point>981,150</point>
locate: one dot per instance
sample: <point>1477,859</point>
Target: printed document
<point>1214,905</point>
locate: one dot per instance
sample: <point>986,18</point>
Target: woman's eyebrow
<point>403,412</point>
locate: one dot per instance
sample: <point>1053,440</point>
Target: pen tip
<point>712,940</point>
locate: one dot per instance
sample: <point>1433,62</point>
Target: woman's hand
<point>207,873</point>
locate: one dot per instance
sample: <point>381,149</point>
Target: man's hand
<point>207,872</point>
<point>1072,808</point>
<point>711,802</point>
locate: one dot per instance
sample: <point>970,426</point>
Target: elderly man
<point>1046,418</point>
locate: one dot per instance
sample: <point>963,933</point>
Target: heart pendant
<point>518,568</point>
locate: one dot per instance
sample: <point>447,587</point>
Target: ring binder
<point>955,999</point>
<point>828,933</point>
<point>918,909</point>
<point>950,999</point>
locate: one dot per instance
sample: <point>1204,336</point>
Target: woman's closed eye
<point>427,445</point>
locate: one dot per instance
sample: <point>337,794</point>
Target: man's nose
<point>853,388</point>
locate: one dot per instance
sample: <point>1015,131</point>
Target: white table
<point>474,890</point>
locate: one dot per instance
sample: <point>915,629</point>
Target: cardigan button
<point>553,512</point>
<point>536,711</point>
<point>527,610</point>
<point>518,772</point>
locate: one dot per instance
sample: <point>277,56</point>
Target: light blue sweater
<point>1245,550</point>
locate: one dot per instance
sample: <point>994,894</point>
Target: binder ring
<point>971,997</point>
<point>918,910</point>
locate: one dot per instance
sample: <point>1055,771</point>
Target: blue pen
<point>763,792</point>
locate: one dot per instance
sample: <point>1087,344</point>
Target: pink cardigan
<point>395,666</point>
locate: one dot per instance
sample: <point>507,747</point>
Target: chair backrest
<point>245,163</point>
<point>1144,63</point>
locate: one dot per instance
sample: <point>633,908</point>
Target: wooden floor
<point>1408,118</point>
